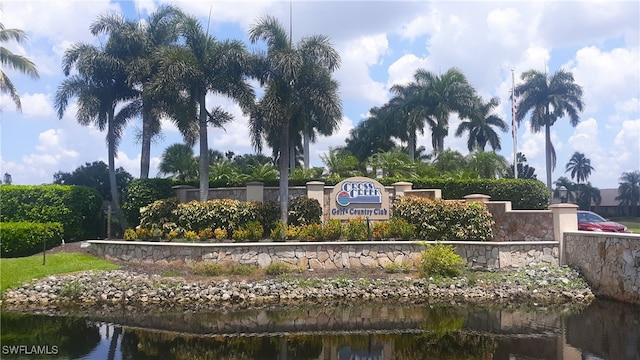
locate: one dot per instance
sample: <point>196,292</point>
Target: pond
<point>365,331</point>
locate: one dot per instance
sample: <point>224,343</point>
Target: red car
<point>589,221</point>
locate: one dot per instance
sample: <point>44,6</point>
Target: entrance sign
<point>359,197</point>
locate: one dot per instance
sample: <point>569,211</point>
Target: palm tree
<point>629,190</point>
<point>340,163</point>
<point>579,166</point>
<point>524,170</point>
<point>443,95</point>
<point>138,43</point>
<point>370,136</point>
<point>393,163</point>
<point>298,83</point>
<point>200,67</point>
<point>178,161</point>
<point>407,112</point>
<point>100,84</point>
<point>480,126</point>
<point>450,161</point>
<point>587,195</point>
<point>569,185</point>
<point>489,165</point>
<point>548,99</point>
<point>13,61</point>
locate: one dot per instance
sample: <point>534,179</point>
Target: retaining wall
<point>326,255</point>
<point>610,262</point>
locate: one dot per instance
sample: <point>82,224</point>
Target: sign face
<point>359,197</point>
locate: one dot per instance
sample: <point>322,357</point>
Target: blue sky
<point>381,43</point>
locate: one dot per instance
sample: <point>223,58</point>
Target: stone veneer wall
<point>520,225</point>
<point>609,261</point>
<point>325,255</point>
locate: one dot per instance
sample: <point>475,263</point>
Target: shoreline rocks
<point>531,285</point>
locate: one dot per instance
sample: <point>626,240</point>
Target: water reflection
<point>603,330</point>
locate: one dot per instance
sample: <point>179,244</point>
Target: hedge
<point>26,238</point>
<point>77,208</point>
<point>142,192</point>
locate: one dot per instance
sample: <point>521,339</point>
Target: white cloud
<point>37,105</point>
<point>607,77</point>
<point>403,69</point>
<point>504,25</point>
<point>324,143</point>
<point>354,74</point>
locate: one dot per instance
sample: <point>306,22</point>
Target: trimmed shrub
<point>77,208</point>
<point>26,238</point>
<point>523,193</point>
<point>440,260</point>
<point>268,215</point>
<point>142,192</point>
<point>304,211</point>
<point>356,229</point>
<point>445,220</point>
<point>158,213</point>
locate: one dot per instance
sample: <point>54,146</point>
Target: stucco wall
<point>326,255</point>
<point>609,261</point>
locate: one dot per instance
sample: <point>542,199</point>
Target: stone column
<point>255,191</point>
<point>565,218</point>
<point>481,198</point>
<point>400,187</point>
<point>315,190</point>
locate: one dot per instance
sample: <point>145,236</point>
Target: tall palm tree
<point>444,94</point>
<point>13,61</point>
<point>480,126</point>
<point>203,65</point>
<point>524,170</point>
<point>370,136</point>
<point>629,190</point>
<point>580,167</point>
<point>548,99</point>
<point>298,83</point>
<point>407,112</point>
<point>138,43</point>
<point>100,84</point>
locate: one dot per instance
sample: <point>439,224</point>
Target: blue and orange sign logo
<point>358,192</point>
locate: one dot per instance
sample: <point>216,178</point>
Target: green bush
<point>523,193</point>
<point>440,260</point>
<point>26,238</point>
<point>356,229</point>
<point>77,208</point>
<point>158,213</point>
<point>142,192</point>
<point>445,220</point>
<point>304,211</point>
<point>268,215</point>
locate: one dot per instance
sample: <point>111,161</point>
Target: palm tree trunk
<point>113,186</point>
<point>292,156</point>
<point>204,149</point>
<point>306,150</point>
<point>547,150</point>
<point>412,145</point>
<point>145,155</point>
<point>283,165</point>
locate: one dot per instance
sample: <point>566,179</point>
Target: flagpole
<point>514,128</point>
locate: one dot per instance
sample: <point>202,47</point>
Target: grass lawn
<point>632,223</point>
<point>15,271</point>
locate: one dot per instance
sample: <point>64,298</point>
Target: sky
<point>381,43</point>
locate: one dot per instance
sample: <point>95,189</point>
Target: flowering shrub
<point>445,220</point>
<point>205,234</point>
<point>220,234</point>
<point>356,229</point>
<point>332,230</point>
